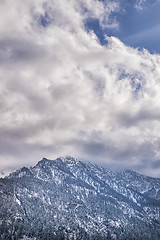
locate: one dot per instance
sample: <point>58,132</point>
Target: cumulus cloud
<point>63,93</point>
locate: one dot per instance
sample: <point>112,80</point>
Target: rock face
<point>69,199</point>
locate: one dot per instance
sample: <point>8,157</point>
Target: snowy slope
<point>69,199</point>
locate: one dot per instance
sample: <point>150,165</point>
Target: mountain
<point>72,200</point>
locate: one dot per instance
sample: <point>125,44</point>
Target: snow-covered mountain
<point>68,199</point>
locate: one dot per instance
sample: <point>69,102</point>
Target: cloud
<point>150,35</point>
<point>63,93</point>
<point>142,4</point>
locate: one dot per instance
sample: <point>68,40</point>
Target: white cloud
<point>63,93</point>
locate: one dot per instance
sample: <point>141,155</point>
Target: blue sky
<point>137,26</point>
<point>67,90</point>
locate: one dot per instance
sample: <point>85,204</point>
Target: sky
<point>80,78</point>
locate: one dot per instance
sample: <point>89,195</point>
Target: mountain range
<point>66,199</point>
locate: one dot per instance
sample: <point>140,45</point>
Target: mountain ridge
<point>69,199</point>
